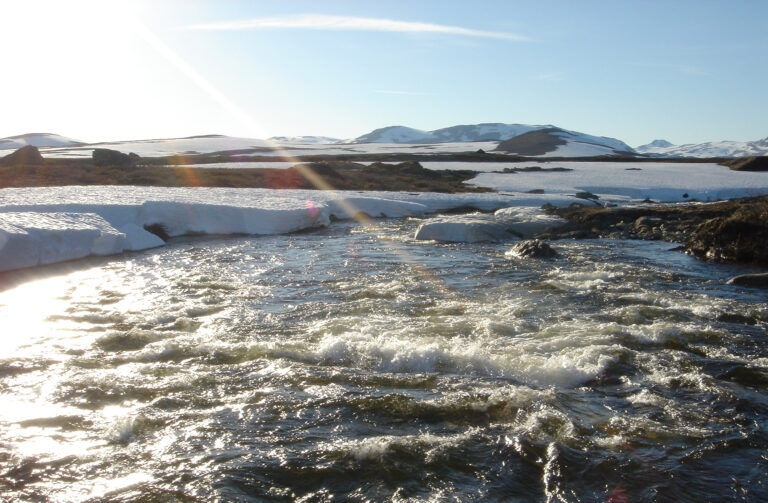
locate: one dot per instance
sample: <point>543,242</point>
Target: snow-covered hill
<point>36,140</point>
<point>397,134</point>
<point>557,142</point>
<point>462,133</point>
<point>561,143</point>
<point>662,148</point>
<point>305,140</point>
<point>168,146</point>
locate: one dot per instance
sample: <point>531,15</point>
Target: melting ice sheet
<point>47,225</point>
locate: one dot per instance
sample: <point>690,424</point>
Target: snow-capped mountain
<point>462,133</point>
<point>37,140</point>
<point>484,132</point>
<point>552,140</point>
<point>397,134</point>
<point>654,144</point>
<point>708,149</point>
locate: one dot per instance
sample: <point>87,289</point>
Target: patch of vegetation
<point>342,175</point>
<point>755,163</point>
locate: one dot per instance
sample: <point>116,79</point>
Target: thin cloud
<point>324,22</point>
<point>405,93</point>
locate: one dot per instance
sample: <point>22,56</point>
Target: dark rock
<point>534,248</point>
<point>28,155</point>
<point>535,191</point>
<point>739,237</point>
<point>108,157</point>
<point>759,280</point>
<point>586,195</point>
<point>647,222</point>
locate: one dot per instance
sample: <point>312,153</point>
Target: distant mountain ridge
<point>536,140</point>
<point>463,133</point>
<point>709,149</point>
<point>521,139</point>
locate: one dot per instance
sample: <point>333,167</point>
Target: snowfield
<point>617,181</point>
<point>207,145</point>
<point>36,140</point>
<point>53,224</point>
<point>663,148</point>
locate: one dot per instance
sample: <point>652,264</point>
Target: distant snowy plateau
<point>528,140</point>
<point>53,224</point>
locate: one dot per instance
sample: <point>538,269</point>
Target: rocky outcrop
<point>728,231</point>
<point>28,155</point>
<point>754,163</point>
<point>534,248</point>
<point>740,237</point>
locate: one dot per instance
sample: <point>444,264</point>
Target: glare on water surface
<point>277,367</point>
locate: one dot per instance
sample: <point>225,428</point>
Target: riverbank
<point>726,231</point>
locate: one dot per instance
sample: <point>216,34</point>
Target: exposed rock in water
<point>727,231</point>
<point>534,248</point>
<point>28,155</point>
<point>754,280</point>
<point>755,163</point>
<point>740,237</point>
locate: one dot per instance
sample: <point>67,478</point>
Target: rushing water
<point>355,364</point>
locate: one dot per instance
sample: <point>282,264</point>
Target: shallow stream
<point>354,363</point>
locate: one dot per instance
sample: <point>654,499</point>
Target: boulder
<point>534,248</point>
<point>759,280</point>
<point>28,155</point>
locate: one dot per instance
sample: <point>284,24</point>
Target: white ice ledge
<point>47,225</point>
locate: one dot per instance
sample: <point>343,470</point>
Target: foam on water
<point>353,360</point>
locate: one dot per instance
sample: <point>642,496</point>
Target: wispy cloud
<point>325,22</point>
<point>406,93</point>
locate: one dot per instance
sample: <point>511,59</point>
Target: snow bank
<point>53,224</point>
<point>463,229</point>
<point>349,207</point>
<point>30,239</point>
<point>506,224</point>
<point>527,221</point>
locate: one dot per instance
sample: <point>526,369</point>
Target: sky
<point>101,70</point>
